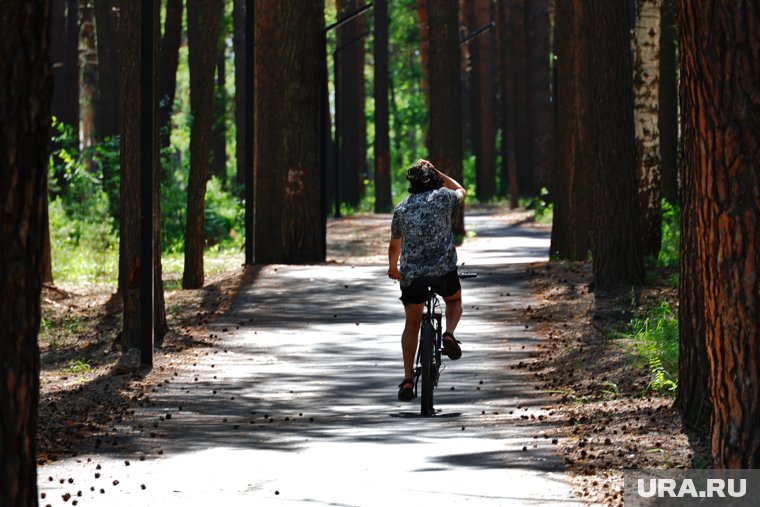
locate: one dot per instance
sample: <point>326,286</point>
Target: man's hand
<point>394,251</point>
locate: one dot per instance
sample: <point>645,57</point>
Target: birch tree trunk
<point>646,77</point>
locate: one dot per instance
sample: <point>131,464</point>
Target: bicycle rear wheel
<point>427,358</point>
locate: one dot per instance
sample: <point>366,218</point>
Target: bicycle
<point>428,363</point>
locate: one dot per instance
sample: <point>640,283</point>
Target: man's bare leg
<point>410,335</point>
<point>453,311</point>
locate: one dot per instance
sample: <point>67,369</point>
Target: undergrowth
<point>655,341</point>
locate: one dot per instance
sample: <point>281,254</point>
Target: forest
<point>148,146</point>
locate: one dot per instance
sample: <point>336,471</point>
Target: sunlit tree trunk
<point>203,18</point>
<point>618,260</point>
<point>383,202</point>
<point>721,139</point>
<point>445,122</point>
<point>571,228</point>
<point>25,98</point>
<point>289,226</point>
<point>646,115</point>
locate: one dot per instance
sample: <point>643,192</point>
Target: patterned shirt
<point>423,222</point>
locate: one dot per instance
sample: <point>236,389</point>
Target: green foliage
<point>78,366</point>
<point>655,339</point>
<point>543,211</point>
<point>671,235</point>
<point>225,218</point>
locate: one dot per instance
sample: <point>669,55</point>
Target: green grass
<point>655,341</point>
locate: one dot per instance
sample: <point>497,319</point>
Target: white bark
<point>646,48</point>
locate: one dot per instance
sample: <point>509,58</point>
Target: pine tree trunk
<point>668,107</point>
<point>107,16</point>
<point>287,156</point>
<point>482,95</point>
<point>720,109</point>
<point>646,105</point>
<point>167,68</point>
<point>108,107</point>
<point>424,27</point>
<point>506,103</point>
<point>238,46</point>
<point>445,119</point>
<point>25,99</point>
<point>571,228</point>
<point>89,87</point>
<point>383,202</point>
<point>219,131</point>
<point>203,22</point>
<point>538,101</point>
<point>160,324</point>
<point>519,52</point>
<point>618,260</point>
<point>693,398</point>
<point>353,137</point>
<point>129,223</point>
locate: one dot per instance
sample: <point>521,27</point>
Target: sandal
<point>406,390</point>
<point>451,346</point>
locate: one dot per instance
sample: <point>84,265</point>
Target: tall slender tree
<point>107,15</point>
<point>506,103</point>
<point>129,225</point>
<point>383,202</point>
<point>203,18</point>
<point>219,130</point>
<point>238,47</point>
<point>646,104</point>
<point>350,103</point>
<point>167,68</point>
<point>538,100</point>
<point>286,141</point>
<point>618,260</point>
<point>25,97</point>
<point>668,106</point>
<point>571,230</point>
<point>721,125</point>
<point>483,94</point>
<point>129,161</point>
<point>445,119</point>
<point>520,111</point>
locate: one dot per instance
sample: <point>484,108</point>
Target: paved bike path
<point>296,405</point>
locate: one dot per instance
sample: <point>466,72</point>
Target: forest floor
<point>609,423</point>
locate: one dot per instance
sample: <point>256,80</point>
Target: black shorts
<point>445,286</point>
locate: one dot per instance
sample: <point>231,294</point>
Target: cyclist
<point>423,240</point>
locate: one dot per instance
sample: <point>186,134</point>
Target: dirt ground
<point>89,388</point>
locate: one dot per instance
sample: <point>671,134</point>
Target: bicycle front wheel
<point>427,358</point>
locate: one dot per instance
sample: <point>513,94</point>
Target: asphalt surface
<point>296,403</point>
